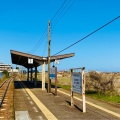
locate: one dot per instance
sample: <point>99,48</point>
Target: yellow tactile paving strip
<point>41,106</point>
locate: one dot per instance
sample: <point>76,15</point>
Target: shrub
<point>100,82</point>
<point>5,72</point>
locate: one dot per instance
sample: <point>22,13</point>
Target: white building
<point>5,67</point>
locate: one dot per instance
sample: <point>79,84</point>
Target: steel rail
<point>3,83</point>
<point>5,92</point>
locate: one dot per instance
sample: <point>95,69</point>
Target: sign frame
<point>81,73</point>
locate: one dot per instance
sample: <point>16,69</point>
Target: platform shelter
<point>20,58</point>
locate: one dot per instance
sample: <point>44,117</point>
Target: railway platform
<point>32,103</point>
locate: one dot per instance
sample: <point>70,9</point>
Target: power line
<point>64,12</point>
<point>38,43</point>
<point>54,18</point>
<point>88,35</point>
<point>58,10</point>
<point>61,11</point>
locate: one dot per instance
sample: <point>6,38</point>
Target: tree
<point>5,72</point>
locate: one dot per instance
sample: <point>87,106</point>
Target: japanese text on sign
<point>77,82</point>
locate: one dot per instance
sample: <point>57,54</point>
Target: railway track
<point>6,100</point>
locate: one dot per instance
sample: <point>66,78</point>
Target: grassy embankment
<point>65,83</point>
<point>112,98</point>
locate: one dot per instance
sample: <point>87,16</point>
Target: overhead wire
<point>88,35</point>
<point>52,19</point>
<point>58,10</point>
<point>63,12</point>
<point>39,41</point>
<point>41,38</point>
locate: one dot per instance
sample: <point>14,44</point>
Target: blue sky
<point>23,22</point>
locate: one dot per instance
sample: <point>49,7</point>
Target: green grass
<point>99,96</point>
<point>64,82</point>
<point>95,95</point>
<point>104,97</point>
<point>66,87</point>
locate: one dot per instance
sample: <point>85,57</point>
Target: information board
<point>52,73</point>
<point>77,82</point>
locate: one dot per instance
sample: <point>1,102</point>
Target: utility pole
<point>49,81</point>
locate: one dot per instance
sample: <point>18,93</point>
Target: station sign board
<point>77,82</point>
<point>30,61</point>
<point>52,73</point>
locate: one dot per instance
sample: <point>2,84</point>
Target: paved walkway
<point>58,106</point>
<point>25,108</point>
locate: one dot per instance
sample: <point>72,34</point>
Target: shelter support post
<point>27,74</point>
<point>35,82</point>
<point>31,74</point>
<point>43,76</point>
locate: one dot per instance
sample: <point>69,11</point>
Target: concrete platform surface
<point>58,106</point>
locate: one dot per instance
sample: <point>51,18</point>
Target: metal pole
<point>35,82</point>
<point>49,82</point>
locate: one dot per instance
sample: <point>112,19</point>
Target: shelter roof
<point>21,58</point>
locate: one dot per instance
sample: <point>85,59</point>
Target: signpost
<point>78,85</point>
<point>53,76</point>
